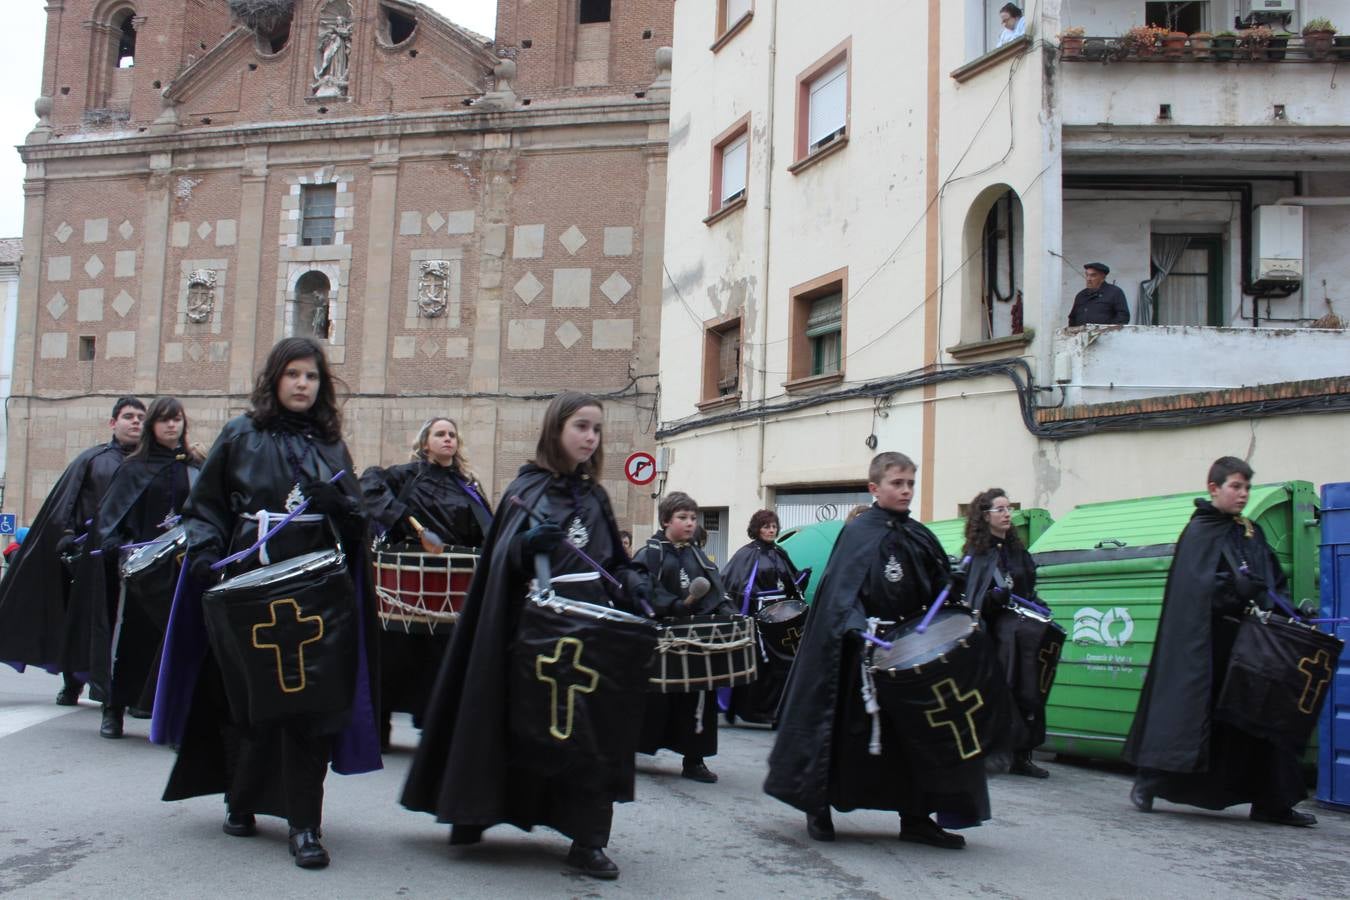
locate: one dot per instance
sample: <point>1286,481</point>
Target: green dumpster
<point>1029,524</point>
<point>1103,568</point>
<point>810,546</point>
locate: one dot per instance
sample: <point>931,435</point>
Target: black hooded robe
<point>468,770</point>
<point>685,723</point>
<point>820,756</point>
<point>442,501</point>
<point>774,574</point>
<point>44,609</point>
<point>1183,754</point>
<point>145,495</point>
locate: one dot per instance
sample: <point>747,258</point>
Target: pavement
<point>80,816</point>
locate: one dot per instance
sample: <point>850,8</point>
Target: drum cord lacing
<point>869,695</point>
<point>419,610</point>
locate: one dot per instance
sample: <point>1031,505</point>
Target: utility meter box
<point>1277,239</point>
<point>1275,6</point>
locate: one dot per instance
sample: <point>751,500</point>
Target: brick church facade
<point>467,224</point>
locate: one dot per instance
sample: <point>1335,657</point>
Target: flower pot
<point>1202,46</point>
<point>1340,46</point>
<point>1277,47</point>
<point>1174,44</point>
<point>1071,46</point>
<point>1317,44</point>
<point>1224,48</point>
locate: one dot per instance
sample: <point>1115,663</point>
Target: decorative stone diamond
<point>572,239</point>
<point>126,230</point>
<point>430,347</point>
<point>93,266</point>
<point>123,304</point>
<point>63,232</point>
<point>204,230</point>
<point>435,221</point>
<point>567,334</point>
<point>615,287</point>
<point>196,352</point>
<point>528,288</point>
<point>57,306</point>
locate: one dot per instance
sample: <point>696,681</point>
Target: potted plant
<point>1071,42</point>
<point>1173,44</point>
<point>1253,41</point>
<point>1318,35</point>
<point>1202,45</point>
<point>1279,44</point>
<point>1224,44</point>
<point>1141,41</point>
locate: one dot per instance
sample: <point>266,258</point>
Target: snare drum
<point>285,637</point>
<point>419,592</point>
<point>940,688</point>
<point>577,673</point>
<point>1279,674</point>
<point>780,625</point>
<point>702,653</point>
<point>1030,646</point>
<point>150,574</point>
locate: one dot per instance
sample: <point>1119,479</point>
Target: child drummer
<point>885,565</point>
<point>674,565</point>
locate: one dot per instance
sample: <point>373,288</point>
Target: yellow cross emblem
<point>287,640</point>
<point>563,690</point>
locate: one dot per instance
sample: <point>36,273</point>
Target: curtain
<point>1167,249</point>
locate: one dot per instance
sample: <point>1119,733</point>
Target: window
<point>822,104</point>
<point>730,168</point>
<point>593,11</point>
<point>396,25</point>
<point>730,14</point>
<point>1001,278</point>
<point>1190,292</point>
<point>721,360</point>
<point>816,345</point>
<point>1190,16</point>
<point>87,346</point>
<point>318,204</point>
<point>309,309</point>
<point>126,42</point>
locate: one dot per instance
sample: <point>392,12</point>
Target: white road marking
<point>17,718</point>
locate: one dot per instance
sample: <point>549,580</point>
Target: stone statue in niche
<point>335,43</point>
<point>201,295</point>
<point>433,289</point>
<point>321,321</point>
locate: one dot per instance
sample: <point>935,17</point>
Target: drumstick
<point>937,604</point>
<point>698,589</point>
<point>539,520</point>
<point>884,645</point>
<point>1043,610</point>
<point>290,517</point>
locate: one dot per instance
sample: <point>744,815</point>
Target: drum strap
<point>698,712</point>
<point>266,519</point>
<point>869,695</point>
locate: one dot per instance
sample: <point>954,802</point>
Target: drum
<point>1279,674</point>
<point>576,679</point>
<point>780,625</point>
<point>1030,644</point>
<point>421,592</point>
<point>941,689</point>
<point>285,637</point>
<point>702,653</point>
<point>150,574</point>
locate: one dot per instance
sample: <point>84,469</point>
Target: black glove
<point>66,545</point>
<point>199,566</point>
<point>641,594</point>
<point>958,583</point>
<point>326,499</point>
<point>1248,586</point>
<point>542,538</point>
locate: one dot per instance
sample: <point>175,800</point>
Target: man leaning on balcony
<point>1099,303</point>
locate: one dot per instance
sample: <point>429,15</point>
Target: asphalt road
<point>80,817</point>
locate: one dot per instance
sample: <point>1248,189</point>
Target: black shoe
<point>698,771</point>
<point>240,824</point>
<point>69,695</point>
<point>926,831</point>
<point>112,722</point>
<point>592,861</point>
<point>1142,799</point>
<point>308,852</point>
<point>138,713</point>
<point>1022,765</point>
<point>820,826</point>
<point>461,835</point>
<point>386,733</point>
<point>1288,816</point>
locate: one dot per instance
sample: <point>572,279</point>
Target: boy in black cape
<point>885,565</point>
<point>1221,566</point>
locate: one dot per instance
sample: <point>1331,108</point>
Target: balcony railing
<point>1201,48</point>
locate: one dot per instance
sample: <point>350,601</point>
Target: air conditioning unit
<point>1274,6</point>
<point>1277,243</point>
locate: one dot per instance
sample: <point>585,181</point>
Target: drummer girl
<point>424,505</point>
<point>469,770</point>
<point>286,449</point>
<point>1001,568</point>
<point>142,502</point>
<point>761,573</point>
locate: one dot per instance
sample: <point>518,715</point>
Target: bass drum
<point>150,574</point>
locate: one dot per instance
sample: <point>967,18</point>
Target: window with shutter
<point>827,106</point>
<point>823,329</point>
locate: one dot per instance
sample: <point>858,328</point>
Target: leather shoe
<point>461,835</point>
<point>592,861</point>
<point>138,713</point>
<point>925,831</point>
<point>69,696</point>
<point>112,722</point>
<point>1142,799</point>
<point>699,771</point>
<point>239,824</point>
<point>1022,765</point>
<point>820,826</point>
<point>308,852</point>
<point>1288,816</point>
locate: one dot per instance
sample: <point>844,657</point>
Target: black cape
<point>41,606</point>
<point>465,770</point>
<point>772,571</point>
<point>820,756</point>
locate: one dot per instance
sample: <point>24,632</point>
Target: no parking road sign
<point>640,468</point>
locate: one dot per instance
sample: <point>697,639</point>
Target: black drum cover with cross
<point>942,690</point>
<point>150,574</point>
<point>1279,673</point>
<point>285,638</point>
<point>578,674</point>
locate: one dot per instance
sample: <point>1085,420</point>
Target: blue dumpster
<point>1333,770</point>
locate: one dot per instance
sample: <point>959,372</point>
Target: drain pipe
<point>764,299</point>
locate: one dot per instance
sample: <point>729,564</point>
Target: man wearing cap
<point>1099,303</point>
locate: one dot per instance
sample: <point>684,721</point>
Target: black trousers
<point>280,758</point>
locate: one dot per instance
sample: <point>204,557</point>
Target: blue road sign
<point>8,522</point>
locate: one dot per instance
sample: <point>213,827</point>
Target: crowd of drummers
<point>269,609</point>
